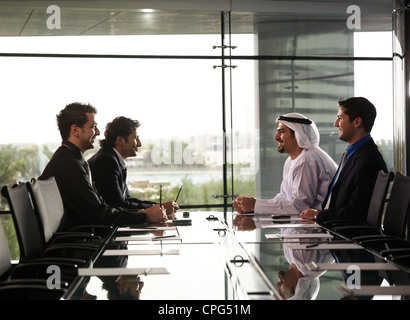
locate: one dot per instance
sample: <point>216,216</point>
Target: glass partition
<point>305,66</point>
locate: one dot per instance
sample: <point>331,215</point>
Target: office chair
<point>394,229</point>
<point>349,228</point>
<point>30,237</point>
<point>48,204</point>
<point>49,209</point>
<point>25,289</point>
<point>403,260</point>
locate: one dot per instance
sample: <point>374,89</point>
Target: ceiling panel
<point>73,22</point>
<point>92,18</point>
<point>159,22</point>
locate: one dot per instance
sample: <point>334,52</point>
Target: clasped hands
<point>244,204</point>
<point>159,213</point>
<point>309,214</point>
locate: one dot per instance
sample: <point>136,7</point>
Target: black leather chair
<point>403,260</point>
<point>393,233</point>
<point>49,209</point>
<point>351,228</point>
<point>48,205</point>
<point>26,288</point>
<point>30,237</point>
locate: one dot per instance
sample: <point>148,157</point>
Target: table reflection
<point>280,260</point>
<point>298,282</point>
<point>123,287</point>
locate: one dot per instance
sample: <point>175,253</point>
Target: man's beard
<point>281,149</point>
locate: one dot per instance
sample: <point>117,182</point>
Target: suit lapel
<point>123,172</point>
<point>120,167</point>
<point>347,168</point>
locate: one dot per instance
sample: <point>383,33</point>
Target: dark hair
<point>73,113</point>
<point>120,126</point>
<point>360,107</point>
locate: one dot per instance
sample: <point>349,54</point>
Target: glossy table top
<point>224,256</point>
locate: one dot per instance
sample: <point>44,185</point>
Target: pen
<point>147,271</point>
<point>176,199</point>
<point>163,237</point>
<point>160,195</point>
<point>312,245</point>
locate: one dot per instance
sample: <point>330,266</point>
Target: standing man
<point>82,203</point>
<point>350,192</point>
<point>306,174</point>
<point>109,169</point>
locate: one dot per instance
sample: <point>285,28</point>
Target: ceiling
<point>29,18</point>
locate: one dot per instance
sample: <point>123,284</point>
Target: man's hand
<point>244,204</point>
<point>309,214</point>
<point>156,214</point>
<point>170,207</point>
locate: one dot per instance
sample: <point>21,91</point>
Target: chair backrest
<point>48,204</point>
<point>397,211</point>
<point>29,235</point>
<point>5,262</point>
<point>376,207</point>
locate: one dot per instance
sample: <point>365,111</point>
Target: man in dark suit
<point>109,169</point>
<point>82,203</point>
<point>350,192</point>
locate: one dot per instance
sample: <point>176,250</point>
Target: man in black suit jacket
<point>109,169</point>
<point>82,203</point>
<point>350,192</point>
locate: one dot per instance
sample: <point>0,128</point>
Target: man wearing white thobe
<point>307,171</point>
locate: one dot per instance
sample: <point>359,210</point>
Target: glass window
<point>176,101</point>
<point>374,80</point>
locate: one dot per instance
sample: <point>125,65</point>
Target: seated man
<point>109,169</point>
<point>82,203</point>
<point>350,192</point>
<point>306,174</point>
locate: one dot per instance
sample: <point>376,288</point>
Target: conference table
<point>211,255</point>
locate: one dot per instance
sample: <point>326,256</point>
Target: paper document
<point>145,229</point>
<point>345,265</point>
<point>140,252</point>
<point>120,271</point>
<point>299,236</point>
<point>279,219</point>
<point>320,246</point>
<point>290,225</point>
<point>374,290</point>
<point>148,238</point>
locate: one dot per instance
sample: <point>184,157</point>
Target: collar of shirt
<point>353,147</point>
<point>122,161</point>
<point>73,148</point>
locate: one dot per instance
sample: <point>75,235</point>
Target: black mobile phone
<point>182,222</point>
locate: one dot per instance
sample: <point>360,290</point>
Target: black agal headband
<point>296,120</point>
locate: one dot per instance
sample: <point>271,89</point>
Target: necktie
<point>124,182</point>
<point>87,169</point>
<point>342,164</point>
